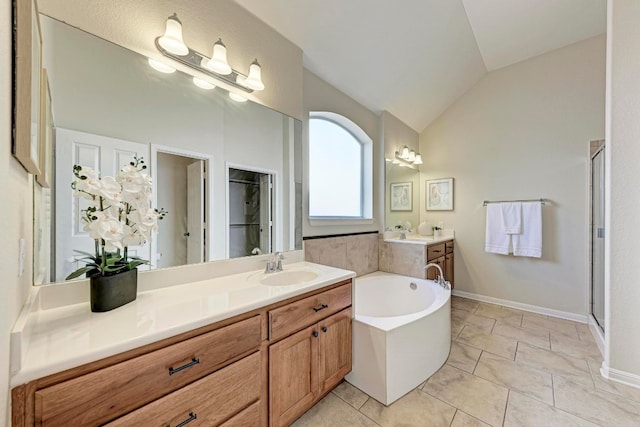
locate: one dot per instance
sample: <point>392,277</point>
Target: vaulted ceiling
<point>414,58</point>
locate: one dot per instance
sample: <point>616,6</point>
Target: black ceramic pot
<point>109,292</point>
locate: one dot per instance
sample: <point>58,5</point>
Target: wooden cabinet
<point>304,366</point>
<point>441,254</point>
<point>272,363</point>
<point>207,402</point>
<point>107,393</point>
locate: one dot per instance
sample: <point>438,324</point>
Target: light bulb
<point>203,84</point>
<point>236,97</point>
<point>254,79</point>
<point>405,152</point>
<point>412,156</point>
<point>418,160</point>
<point>218,62</point>
<point>159,66</point>
<point>172,39</point>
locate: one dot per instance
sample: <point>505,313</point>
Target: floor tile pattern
<point>506,368</point>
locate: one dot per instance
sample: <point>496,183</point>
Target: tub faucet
<point>440,279</point>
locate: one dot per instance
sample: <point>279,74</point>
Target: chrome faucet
<point>440,279</point>
<point>275,264</point>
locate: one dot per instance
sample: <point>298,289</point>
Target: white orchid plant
<point>119,215</point>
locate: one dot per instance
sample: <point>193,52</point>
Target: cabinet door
<point>293,376</point>
<point>448,268</point>
<point>432,273</point>
<point>335,349</point>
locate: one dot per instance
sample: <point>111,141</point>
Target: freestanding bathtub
<point>401,333</point>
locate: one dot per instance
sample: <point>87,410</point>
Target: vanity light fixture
<point>203,84</point>
<point>406,156</point>
<point>218,62</point>
<point>171,46</point>
<point>162,67</point>
<point>237,97</point>
<point>172,39</point>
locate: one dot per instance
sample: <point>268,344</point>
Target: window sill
<point>327,222</point>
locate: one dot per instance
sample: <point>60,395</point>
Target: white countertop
<point>416,239</point>
<point>64,337</point>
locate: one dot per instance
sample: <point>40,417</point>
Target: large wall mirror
<point>402,196</point>
<point>228,173</point>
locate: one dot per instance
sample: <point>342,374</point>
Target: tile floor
<point>506,368</point>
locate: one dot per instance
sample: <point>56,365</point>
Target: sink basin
<point>288,277</point>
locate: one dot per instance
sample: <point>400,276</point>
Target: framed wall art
<point>402,197</point>
<point>439,194</point>
<point>28,60</point>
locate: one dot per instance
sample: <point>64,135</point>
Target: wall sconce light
<point>217,67</point>
<point>407,156</point>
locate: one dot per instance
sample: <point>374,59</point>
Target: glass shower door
<point>597,237</point>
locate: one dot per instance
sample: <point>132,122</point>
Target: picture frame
<point>27,91</point>
<point>401,197</point>
<point>46,134</point>
<point>439,194</point>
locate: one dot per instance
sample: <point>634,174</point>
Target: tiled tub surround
<point>358,252</point>
<point>506,367</point>
<point>407,257</point>
<point>53,339</point>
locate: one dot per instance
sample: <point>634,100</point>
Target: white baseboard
<point>622,377</point>
<point>597,333</point>
<point>526,307</point>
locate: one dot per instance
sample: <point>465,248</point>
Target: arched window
<point>340,168</point>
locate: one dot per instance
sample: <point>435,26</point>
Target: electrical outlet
<point>21,257</point>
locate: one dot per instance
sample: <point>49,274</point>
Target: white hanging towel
<point>496,240</point>
<point>511,217</point>
<point>529,242</point>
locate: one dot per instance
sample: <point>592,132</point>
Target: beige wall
<point>15,216</point>
<point>523,132</point>
<point>623,153</point>
<point>136,24</point>
<point>320,96</point>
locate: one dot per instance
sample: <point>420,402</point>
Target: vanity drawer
<point>299,314</point>
<point>207,402</point>
<point>105,394</point>
<point>435,251</point>
<point>249,417</point>
<point>448,247</point>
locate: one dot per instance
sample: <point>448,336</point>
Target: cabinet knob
<point>315,334</point>
<point>324,329</point>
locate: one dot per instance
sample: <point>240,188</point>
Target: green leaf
<point>79,272</point>
<point>92,256</point>
<point>112,268</point>
<point>134,264</point>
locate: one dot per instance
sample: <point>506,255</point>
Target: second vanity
<point>409,256</point>
<point>230,351</point>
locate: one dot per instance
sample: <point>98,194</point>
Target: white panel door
<point>105,155</point>
<point>195,212</point>
<point>266,223</point>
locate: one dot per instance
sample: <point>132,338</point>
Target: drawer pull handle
<point>324,329</point>
<point>192,416</point>
<point>315,334</point>
<point>437,252</point>
<point>193,362</point>
<point>322,307</point>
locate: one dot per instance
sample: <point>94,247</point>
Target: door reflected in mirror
<point>109,105</point>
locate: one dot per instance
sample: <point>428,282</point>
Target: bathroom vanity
<point>245,353</point>
<point>410,255</point>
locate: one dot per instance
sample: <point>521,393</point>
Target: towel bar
<point>542,201</point>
